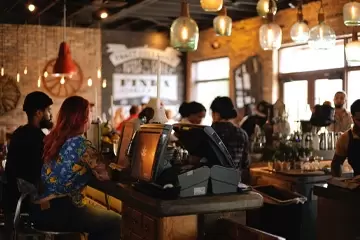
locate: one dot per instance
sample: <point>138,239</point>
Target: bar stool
<point>27,189</point>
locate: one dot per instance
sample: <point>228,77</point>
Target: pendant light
<point>89,82</point>
<point>184,32</point>
<point>222,23</point>
<point>64,65</point>
<point>263,7</point>
<point>322,36</point>
<point>299,32</point>
<point>27,50</point>
<point>104,83</point>
<point>352,49</point>
<point>211,5</point>
<point>351,13</point>
<point>270,34</point>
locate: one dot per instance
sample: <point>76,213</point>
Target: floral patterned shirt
<point>69,173</point>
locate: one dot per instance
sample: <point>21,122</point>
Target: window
<point>303,59</point>
<point>325,89</point>
<point>210,79</point>
<point>353,87</point>
<point>296,104</point>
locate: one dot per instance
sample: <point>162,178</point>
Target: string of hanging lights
<point>270,34</point>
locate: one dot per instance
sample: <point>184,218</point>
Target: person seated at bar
<point>192,112</point>
<point>24,158</point>
<point>69,162</point>
<point>343,120</point>
<point>348,145</point>
<point>234,138</point>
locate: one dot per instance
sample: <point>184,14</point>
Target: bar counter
<point>338,213</point>
<point>302,183</point>
<point>148,218</point>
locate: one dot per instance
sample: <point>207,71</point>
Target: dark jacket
<point>24,160</point>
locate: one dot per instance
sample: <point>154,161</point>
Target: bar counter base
<point>338,214</point>
<point>147,218</point>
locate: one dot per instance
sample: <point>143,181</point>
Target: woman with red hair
<point>69,163</point>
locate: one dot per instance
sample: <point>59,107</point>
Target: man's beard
<point>46,123</point>
<point>339,105</point>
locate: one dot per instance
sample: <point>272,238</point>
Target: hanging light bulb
<point>222,23</point>
<point>46,74</point>
<point>211,5</point>
<point>62,80</point>
<point>89,82</point>
<point>352,49</point>
<point>184,32</point>
<point>18,77</point>
<point>322,36</point>
<point>351,13</point>
<point>299,32</point>
<point>104,83</point>
<point>25,70</point>
<point>263,7</point>
<point>39,82</point>
<point>2,70</point>
<point>99,73</point>
<point>270,34</point>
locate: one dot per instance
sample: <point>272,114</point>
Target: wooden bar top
<point>180,206</point>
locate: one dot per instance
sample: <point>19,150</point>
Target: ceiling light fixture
<point>31,7</point>
<point>322,36</point>
<point>222,23</point>
<point>103,14</point>
<point>299,32</point>
<point>184,32</point>
<point>211,5</point>
<point>270,33</point>
<point>64,65</point>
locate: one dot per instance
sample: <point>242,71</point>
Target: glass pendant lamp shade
<point>322,37</point>
<point>184,32</point>
<point>299,32</point>
<point>263,7</point>
<point>211,5</point>
<point>352,49</point>
<point>222,24</point>
<point>351,14</point>
<point>270,36</point>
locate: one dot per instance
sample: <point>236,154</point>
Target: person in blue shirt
<point>69,163</point>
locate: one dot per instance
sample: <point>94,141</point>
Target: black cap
<point>36,101</point>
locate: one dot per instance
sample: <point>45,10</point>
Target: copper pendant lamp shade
<point>64,65</point>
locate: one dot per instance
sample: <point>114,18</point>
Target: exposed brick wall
<point>86,51</point>
<point>244,42</point>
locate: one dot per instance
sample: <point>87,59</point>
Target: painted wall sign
<point>119,54</point>
<point>135,74</point>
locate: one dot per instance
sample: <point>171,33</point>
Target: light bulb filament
<point>62,80</point>
<point>184,33</point>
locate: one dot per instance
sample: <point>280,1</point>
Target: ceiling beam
<point>128,11</point>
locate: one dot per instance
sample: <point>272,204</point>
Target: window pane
<point>325,89</point>
<point>353,87</point>
<point>206,92</point>
<point>302,58</point>
<point>218,68</point>
<point>295,99</point>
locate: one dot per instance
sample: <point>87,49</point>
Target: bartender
<point>348,145</point>
<point>343,119</point>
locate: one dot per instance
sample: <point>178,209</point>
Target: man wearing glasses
<point>348,145</point>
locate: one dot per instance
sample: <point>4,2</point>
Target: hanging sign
<point>119,54</point>
<point>135,75</point>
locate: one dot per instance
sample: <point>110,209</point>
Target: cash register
<point>120,165</point>
<point>156,173</point>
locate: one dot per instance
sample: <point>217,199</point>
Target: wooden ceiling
<point>131,15</point>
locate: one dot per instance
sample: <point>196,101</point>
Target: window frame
<point>312,76</point>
